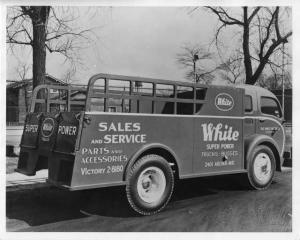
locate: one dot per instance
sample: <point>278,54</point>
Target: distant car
<point>13,140</point>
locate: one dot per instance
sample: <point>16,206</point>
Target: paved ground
<point>18,180</point>
<point>205,204</point>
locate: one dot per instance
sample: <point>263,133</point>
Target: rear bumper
<point>58,184</point>
<point>60,166</point>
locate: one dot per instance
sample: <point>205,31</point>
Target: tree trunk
<point>39,19</point>
<point>247,57</point>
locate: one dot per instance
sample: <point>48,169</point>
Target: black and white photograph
<point>143,118</point>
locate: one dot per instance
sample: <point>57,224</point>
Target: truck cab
<point>264,118</point>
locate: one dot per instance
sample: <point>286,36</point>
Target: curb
<point>32,186</point>
<point>16,181</point>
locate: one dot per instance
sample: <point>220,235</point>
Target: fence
<point>15,116</point>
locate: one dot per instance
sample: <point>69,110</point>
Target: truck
<point>145,134</point>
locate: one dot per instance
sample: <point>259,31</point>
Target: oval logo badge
<point>224,102</point>
<point>47,127</point>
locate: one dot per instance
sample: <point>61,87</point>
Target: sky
<point>134,41</point>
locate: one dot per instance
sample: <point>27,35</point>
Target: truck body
<point>144,133</point>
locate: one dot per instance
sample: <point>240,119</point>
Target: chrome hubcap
<point>151,184</point>
<point>262,167</point>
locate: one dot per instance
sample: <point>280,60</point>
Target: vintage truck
<point>144,133</point>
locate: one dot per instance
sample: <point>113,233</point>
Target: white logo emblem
<point>47,127</point>
<point>224,102</point>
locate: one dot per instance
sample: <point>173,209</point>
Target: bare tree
<point>22,71</point>
<point>274,80</point>
<point>67,78</point>
<point>45,28</point>
<point>262,34</point>
<point>232,69</point>
<point>193,58</point>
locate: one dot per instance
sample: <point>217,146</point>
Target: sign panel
<point>218,145</point>
<point>110,141</point>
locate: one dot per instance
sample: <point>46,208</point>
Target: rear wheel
<point>261,167</point>
<point>150,184</point>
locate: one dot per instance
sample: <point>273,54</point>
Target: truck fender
<point>152,148</point>
<point>258,139</point>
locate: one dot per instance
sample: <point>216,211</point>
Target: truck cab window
<point>270,106</point>
<point>248,103</point>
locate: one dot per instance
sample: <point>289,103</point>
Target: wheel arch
<point>257,140</point>
<point>157,149</point>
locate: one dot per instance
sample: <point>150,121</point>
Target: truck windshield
<point>270,106</point>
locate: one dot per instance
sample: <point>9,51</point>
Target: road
<point>211,204</point>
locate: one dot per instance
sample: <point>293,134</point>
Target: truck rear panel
<point>49,141</point>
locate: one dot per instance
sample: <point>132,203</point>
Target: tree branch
<point>19,42</point>
<point>224,17</point>
<point>276,23</point>
<point>264,41</point>
<point>27,34</point>
<point>80,34</point>
<point>223,11</point>
<point>255,11</point>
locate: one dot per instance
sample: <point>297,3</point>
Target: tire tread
<point>251,182</point>
<point>133,169</point>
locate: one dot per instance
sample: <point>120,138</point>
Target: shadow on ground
<point>49,204</point>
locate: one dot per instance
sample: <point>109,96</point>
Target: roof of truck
<point>259,90</point>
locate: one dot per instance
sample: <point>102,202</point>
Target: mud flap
<point>36,142</point>
<point>61,162</point>
<point>48,142</point>
<point>28,157</point>
<point>30,162</point>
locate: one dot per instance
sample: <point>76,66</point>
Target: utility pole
<point>196,57</point>
<point>282,78</point>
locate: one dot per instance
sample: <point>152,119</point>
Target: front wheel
<point>150,184</point>
<point>261,167</point>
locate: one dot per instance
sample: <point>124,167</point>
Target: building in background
<point>18,98</point>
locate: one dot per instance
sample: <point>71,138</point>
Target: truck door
<point>269,121</point>
<point>250,109</point>
<point>218,144</point>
